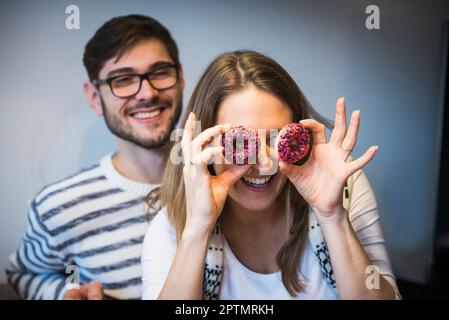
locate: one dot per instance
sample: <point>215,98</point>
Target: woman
<point>250,232</point>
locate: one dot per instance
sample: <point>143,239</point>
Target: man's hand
<point>90,291</point>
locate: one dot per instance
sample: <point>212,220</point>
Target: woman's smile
<point>258,183</point>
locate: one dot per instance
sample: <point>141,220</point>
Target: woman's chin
<point>256,207</point>
<point>255,197</point>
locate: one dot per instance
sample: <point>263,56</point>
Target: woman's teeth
<point>147,115</point>
<point>257,181</point>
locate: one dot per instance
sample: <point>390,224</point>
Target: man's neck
<point>140,164</point>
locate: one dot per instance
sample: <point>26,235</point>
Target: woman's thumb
<point>232,175</point>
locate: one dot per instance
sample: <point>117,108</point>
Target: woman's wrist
<point>193,240</point>
<point>338,217</point>
<point>196,232</point>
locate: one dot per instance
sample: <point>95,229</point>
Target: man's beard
<point>126,133</point>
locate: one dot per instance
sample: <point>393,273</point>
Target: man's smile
<point>147,115</point>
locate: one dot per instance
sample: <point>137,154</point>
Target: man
<point>93,222</point>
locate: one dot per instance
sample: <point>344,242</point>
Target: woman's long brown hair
<point>230,73</point>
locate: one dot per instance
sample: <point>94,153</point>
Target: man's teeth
<point>257,180</point>
<point>146,115</point>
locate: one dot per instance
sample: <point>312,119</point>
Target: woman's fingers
<point>350,139</point>
<point>187,137</point>
<point>192,147</point>
<point>233,174</point>
<point>360,162</point>
<point>200,156</point>
<point>207,154</point>
<point>318,129</point>
<point>339,131</point>
<point>208,135</point>
<point>286,168</point>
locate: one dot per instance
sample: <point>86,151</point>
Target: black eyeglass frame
<point>142,76</point>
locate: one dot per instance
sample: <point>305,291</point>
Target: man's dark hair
<point>115,37</point>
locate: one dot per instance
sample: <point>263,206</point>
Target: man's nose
<point>146,91</point>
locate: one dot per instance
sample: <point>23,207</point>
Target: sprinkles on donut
<point>240,145</point>
<point>294,144</point>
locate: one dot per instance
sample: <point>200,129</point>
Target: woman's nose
<point>266,161</point>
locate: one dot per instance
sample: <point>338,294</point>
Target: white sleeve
<point>364,217</point>
<point>158,253</point>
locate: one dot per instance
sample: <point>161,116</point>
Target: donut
<point>294,144</point>
<point>240,145</point>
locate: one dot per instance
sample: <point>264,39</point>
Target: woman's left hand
<point>321,180</point>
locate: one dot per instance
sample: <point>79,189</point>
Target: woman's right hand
<point>205,194</point>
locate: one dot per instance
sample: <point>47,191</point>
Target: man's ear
<point>93,97</point>
<point>181,77</point>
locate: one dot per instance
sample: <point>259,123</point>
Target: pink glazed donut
<point>240,145</point>
<point>294,144</point>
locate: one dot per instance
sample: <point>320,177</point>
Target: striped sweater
<point>93,220</point>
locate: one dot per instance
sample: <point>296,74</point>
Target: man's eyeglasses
<point>128,85</point>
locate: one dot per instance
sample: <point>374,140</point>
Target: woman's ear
<point>93,97</point>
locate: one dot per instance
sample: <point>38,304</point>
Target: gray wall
<point>393,75</point>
